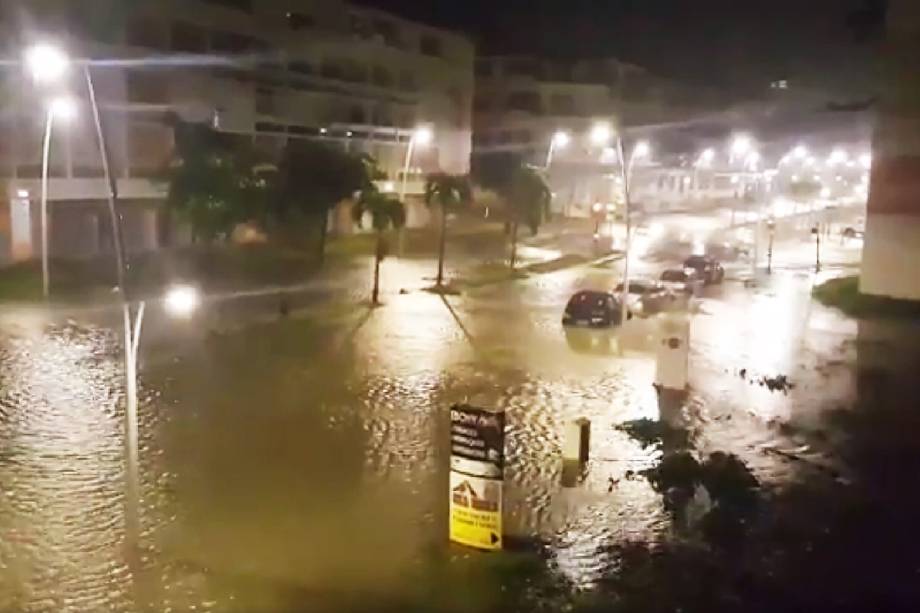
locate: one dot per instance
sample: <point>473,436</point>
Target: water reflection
<point>61,475</point>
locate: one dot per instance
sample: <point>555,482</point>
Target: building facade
<point>892,242</point>
<point>265,70</point>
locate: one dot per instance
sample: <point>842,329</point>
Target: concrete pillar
<point>892,243</point>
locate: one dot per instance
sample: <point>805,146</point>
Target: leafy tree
<point>385,212</point>
<point>314,177</point>
<point>528,198</point>
<point>213,182</point>
<point>449,192</point>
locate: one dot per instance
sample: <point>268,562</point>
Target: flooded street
<point>305,461</point>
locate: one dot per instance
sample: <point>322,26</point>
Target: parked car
<point>851,232</point>
<point>647,296</point>
<point>593,309</point>
<point>709,269</point>
<point>683,280</point>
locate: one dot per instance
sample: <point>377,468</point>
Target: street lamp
<point>800,152</point>
<point>740,146</point>
<point>559,140</point>
<point>640,149</point>
<point>46,63</point>
<point>65,109</point>
<point>601,133</point>
<point>816,230</point>
<point>771,226</point>
<point>706,157</point>
<point>421,137</point>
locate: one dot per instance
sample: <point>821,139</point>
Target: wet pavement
<point>303,461</point>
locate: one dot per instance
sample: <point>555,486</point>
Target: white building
<point>267,70</point>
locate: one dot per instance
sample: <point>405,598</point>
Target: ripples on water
<point>61,512</point>
<point>296,460</point>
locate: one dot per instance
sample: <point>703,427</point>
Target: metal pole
<point>402,191</point>
<point>132,494</point>
<point>46,146</point>
<point>625,171</point>
<point>549,153</point>
<point>817,248</point>
<point>770,252</point>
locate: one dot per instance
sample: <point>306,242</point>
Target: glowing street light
<point>752,159</point>
<point>601,133</point>
<point>800,152</point>
<point>559,140</point>
<point>741,145</point>
<point>421,137</point>
<point>46,63</point>
<point>181,300</point>
<point>837,156</point>
<point>63,108</point>
<point>706,157</point>
<point>641,150</point>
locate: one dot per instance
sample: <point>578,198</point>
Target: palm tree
<point>449,192</point>
<point>527,198</point>
<point>386,212</point>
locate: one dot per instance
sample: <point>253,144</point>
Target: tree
<point>527,198</point>
<point>213,181</point>
<point>449,192</point>
<point>385,212</point>
<point>313,178</point>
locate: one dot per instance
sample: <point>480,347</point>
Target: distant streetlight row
<point>600,135</point>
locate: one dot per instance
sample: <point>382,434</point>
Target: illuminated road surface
<point>309,457</point>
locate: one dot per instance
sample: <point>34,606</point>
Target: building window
<point>481,104</point>
<point>240,5</point>
<point>356,115</point>
<point>407,81</point>
<point>301,67</point>
<point>230,42</point>
<point>524,101</point>
<point>484,68</point>
<point>188,38</point>
<point>147,33</point>
<point>562,104</point>
<point>523,68</point>
<point>265,101</point>
<point>300,21</point>
<point>331,69</point>
<point>388,31</point>
<point>354,72</point>
<point>146,87</point>
<point>430,45</point>
<point>149,148</point>
<point>267,126</point>
<point>382,77</point>
<point>522,136</point>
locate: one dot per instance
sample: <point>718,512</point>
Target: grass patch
<point>215,267</point>
<point>844,294</point>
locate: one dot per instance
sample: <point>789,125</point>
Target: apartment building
<point>265,70</point>
<point>521,102</point>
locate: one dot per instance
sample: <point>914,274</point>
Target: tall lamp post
<point>421,137</point>
<point>601,134</point>
<point>48,63</point>
<point>559,140</point>
<point>65,109</point>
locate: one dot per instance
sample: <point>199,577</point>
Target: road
<point>282,459</point>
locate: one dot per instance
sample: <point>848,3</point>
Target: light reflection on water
<point>295,457</point>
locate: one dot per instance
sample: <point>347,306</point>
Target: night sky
<point>716,41</point>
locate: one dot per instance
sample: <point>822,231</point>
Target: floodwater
<point>304,461</point>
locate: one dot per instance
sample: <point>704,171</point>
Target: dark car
<point>709,270</point>
<point>592,309</point>
<point>647,296</point>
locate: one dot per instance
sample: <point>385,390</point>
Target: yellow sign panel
<point>475,511</point>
